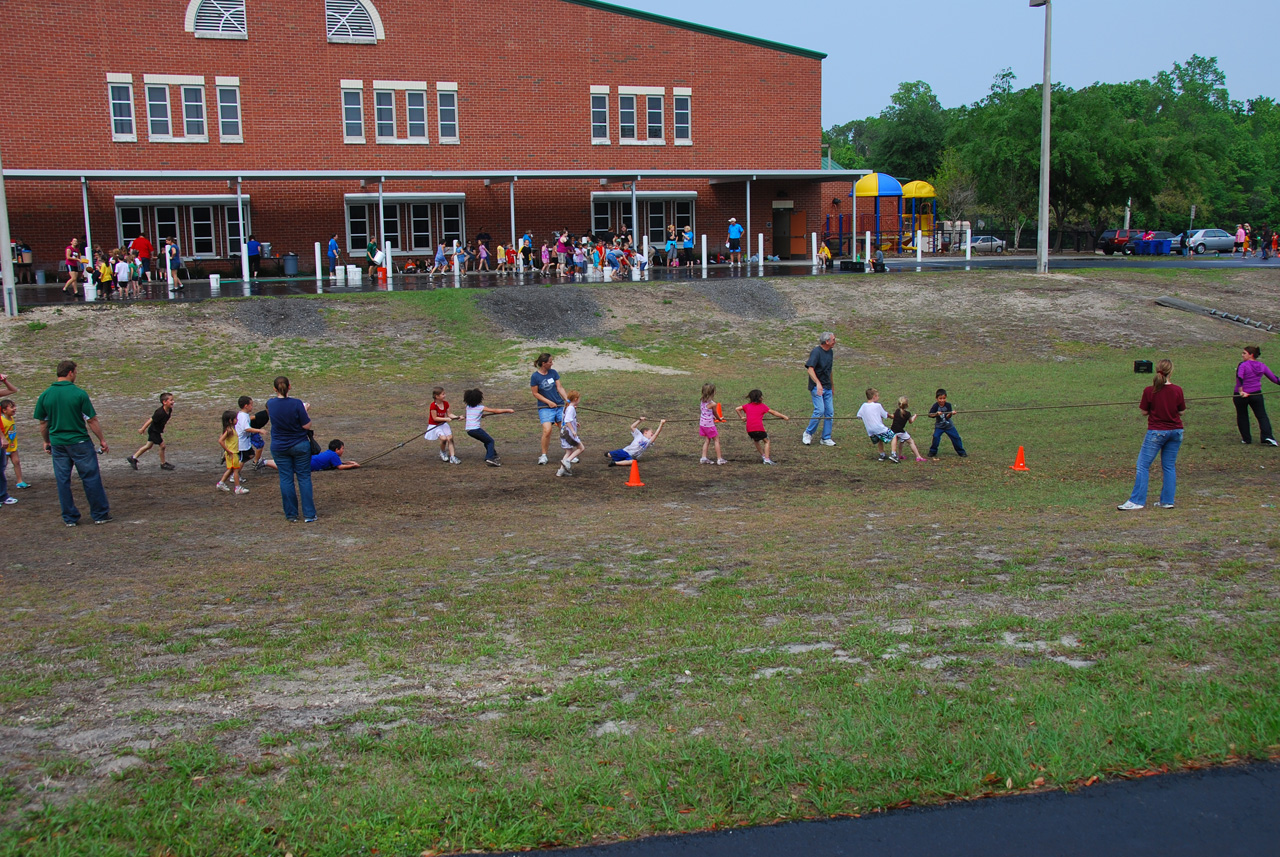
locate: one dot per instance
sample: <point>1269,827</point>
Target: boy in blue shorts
<point>873,415</point>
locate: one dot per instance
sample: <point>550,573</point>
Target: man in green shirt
<point>66,417</point>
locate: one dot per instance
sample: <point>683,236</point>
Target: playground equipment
<point>881,215</point>
<point>924,213</point>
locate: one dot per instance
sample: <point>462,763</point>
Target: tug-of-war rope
<point>631,418</point>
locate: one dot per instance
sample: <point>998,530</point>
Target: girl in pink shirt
<point>752,414</point>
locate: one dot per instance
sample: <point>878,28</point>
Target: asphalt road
<point>1217,812</point>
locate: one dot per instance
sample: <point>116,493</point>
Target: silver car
<point>1212,240</point>
<point>985,244</point>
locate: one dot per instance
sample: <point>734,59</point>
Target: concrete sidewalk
<point>1217,812</point>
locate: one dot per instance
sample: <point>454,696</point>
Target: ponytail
<point>282,386</point>
<point>1163,368</point>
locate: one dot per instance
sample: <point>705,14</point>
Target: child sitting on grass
<point>901,419</point>
<point>640,441</point>
<point>873,415</point>
<point>753,413</point>
<point>330,459</point>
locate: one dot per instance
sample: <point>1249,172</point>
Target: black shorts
<point>246,454</point>
<point>154,437</point>
<point>758,435</point>
<point>735,245</point>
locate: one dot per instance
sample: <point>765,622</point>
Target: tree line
<point>1166,143</point>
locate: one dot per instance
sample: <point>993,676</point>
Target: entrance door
<point>782,233</point>
<point>799,235</point>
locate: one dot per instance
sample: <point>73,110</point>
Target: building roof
<point>698,28</point>
<point>374,175</point>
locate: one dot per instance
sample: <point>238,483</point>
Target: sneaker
<point>1269,441</point>
<point>453,459</point>
<point>308,520</point>
<point>108,519</point>
<point>70,523</point>
<point>963,454</point>
<point>1159,505</point>
<point>894,458</point>
<point>806,438</point>
<point>222,486</point>
<point>575,461</point>
<point>767,461</point>
<point>1248,442</point>
<point>24,484</point>
<point>721,461</point>
<point>561,471</point>
<point>542,459</point>
<point>444,456</point>
<point>884,457</point>
<point>133,462</point>
<point>167,466</point>
<point>493,462</point>
<point>1128,506</point>
<point>259,464</point>
<point>826,441</point>
<point>240,489</point>
<point>9,501</point>
<point>704,460</point>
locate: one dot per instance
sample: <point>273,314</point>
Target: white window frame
<point>410,137</point>
<point>411,209</point>
<point>203,135</point>
<point>124,81</point>
<point>177,223</point>
<point>601,209</point>
<point>658,207</point>
<point>625,98</point>
<point>379,97</point>
<point>232,85</point>
<point>228,221</point>
<point>152,118</point>
<point>640,94</point>
<point>369,211</point>
<point>600,94</point>
<point>390,215</point>
<point>336,15</point>
<point>450,91</point>
<point>677,95</point>
<point>183,83</point>
<point>352,87</point>
<point>212,237</point>
<point>230,24</point>
<point>649,101</point>
<point>121,240</point>
<point>461,235</point>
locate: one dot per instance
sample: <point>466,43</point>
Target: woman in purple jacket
<point>1248,394</point>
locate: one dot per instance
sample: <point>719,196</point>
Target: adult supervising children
<point>1162,404</point>
<point>735,241</point>
<point>819,368</point>
<point>66,417</point>
<point>291,449</point>
<point>550,396</point>
<point>1248,394</point>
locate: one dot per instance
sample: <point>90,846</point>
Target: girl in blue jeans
<point>1163,404</point>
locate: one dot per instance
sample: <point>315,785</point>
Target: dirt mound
<point>283,319</point>
<point>534,312</point>
<point>747,299</point>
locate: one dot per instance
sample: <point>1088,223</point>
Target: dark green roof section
<point>699,28</point>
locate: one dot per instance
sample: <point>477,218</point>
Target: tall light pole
<point>1042,232</point>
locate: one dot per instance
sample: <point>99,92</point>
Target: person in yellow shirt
<point>7,411</point>
<point>824,255</point>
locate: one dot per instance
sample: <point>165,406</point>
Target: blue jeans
<point>949,431</point>
<point>823,409</point>
<point>490,449</point>
<point>296,461</point>
<point>85,458</point>
<point>1166,442</point>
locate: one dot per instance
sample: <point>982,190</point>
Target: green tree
<point>910,142</point>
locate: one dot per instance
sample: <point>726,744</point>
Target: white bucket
<point>353,275</point>
<point>215,284</point>
<point>90,291</point>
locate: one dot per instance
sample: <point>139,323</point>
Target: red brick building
<point>460,113</point>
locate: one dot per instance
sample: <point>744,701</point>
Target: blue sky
<point>957,47</point>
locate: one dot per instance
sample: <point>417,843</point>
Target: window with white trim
<point>600,218</point>
<point>130,221</point>
<point>352,21</point>
<point>391,226</point>
<point>384,115</point>
<point>415,107</point>
<point>626,117</point>
<point>123,129</point>
<point>202,230</point>
<point>684,214</point>
<point>229,130</point>
<point>352,115</point>
<point>232,218</point>
<point>357,228</point>
<point>218,19</point>
<point>420,226</point>
<point>451,223</point>
<point>599,117</point>
<point>657,222</point>
<point>193,123</point>
<point>158,125</point>
<point>682,109</point>
<point>654,111</point>
<point>447,113</point>
<point>167,223</point>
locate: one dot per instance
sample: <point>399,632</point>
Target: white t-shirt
<point>569,428</point>
<point>473,416</point>
<point>873,416</point>
<point>122,272</point>
<point>242,423</point>
<point>639,443</point>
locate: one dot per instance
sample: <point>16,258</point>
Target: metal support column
<point>382,221</point>
<point>6,261</point>
<point>748,235</point>
<point>511,195</point>
<point>244,241</point>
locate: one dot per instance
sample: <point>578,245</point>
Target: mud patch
<point>281,319</point>
<point>751,299</point>
<point>559,312</point>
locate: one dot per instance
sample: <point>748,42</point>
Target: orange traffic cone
<point>1020,462</point>
<point>634,481</point>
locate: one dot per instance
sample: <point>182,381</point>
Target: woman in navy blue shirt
<point>291,448</point>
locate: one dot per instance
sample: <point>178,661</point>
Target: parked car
<point>985,244</point>
<point>1217,240</point>
<point>1114,240</point>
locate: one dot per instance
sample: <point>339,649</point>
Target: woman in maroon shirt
<point>1162,404</point>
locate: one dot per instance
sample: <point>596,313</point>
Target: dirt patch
<point>283,319</point>
<point>753,299</point>
<point>557,312</point>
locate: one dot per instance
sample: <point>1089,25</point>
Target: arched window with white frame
<point>353,22</point>
<point>217,19</point>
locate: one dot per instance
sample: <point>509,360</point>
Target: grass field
<point>461,658</point>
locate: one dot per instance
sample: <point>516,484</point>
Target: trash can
<point>40,277</point>
<point>1166,246</point>
<point>290,264</point>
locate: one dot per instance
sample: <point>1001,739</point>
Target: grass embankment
<point>462,658</point>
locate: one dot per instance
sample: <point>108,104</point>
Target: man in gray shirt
<point>819,368</point>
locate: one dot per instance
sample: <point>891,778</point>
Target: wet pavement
<point>200,289</point>
<point>1217,811</point>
